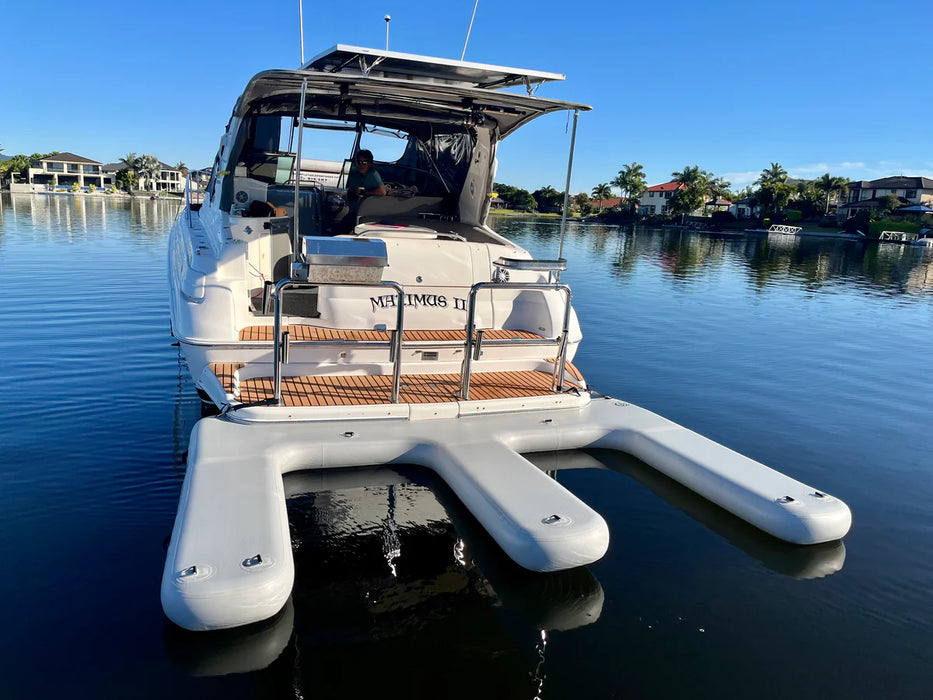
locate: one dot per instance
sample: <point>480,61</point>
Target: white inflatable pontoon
<point>229,562</point>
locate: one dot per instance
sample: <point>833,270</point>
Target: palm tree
<point>601,192</point>
<point>829,184</point>
<point>694,191</point>
<point>631,181</point>
<point>772,175</point>
<point>718,187</point>
<point>130,161</point>
<point>149,167</point>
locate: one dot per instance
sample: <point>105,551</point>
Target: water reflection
<point>417,501</point>
<point>223,652</point>
<point>79,217</point>
<point>766,260</point>
<point>450,576</point>
<point>801,562</point>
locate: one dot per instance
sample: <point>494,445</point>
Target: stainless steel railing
<point>472,349</point>
<point>281,340</point>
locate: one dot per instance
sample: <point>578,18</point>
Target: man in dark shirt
<point>365,179</point>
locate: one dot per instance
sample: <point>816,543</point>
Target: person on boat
<point>364,179</point>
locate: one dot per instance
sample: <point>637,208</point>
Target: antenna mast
<point>387,18</point>
<point>470,29</point>
<point>301,32</point>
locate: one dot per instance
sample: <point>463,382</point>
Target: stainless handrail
<point>559,366</point>
<point>297,167</point>
<point>188,197</point>
<point>277,342</point>
<point>536,265</point>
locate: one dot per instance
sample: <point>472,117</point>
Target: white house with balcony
<point>657,198</point>
<point>168,179</point>
<point>63,170</point>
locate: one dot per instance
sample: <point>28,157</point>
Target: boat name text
<point>390,301</point>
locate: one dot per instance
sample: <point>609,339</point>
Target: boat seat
<point>391,206</point>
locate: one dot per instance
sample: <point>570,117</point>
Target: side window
<point>387,147</point>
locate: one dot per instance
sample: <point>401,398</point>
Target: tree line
<point>771,193</point>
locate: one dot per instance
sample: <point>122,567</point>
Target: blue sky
<point>831,86</point>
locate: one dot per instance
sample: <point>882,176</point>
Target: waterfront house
<point>167,179</point>
<point>62,170</point>
<point>656,199</point>
<point>868,194</point>
<point>600,205</point>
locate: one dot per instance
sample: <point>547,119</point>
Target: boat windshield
<point>431,163</point>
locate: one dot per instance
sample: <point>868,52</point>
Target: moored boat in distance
<point>786,230</point>
<point>340,319</point>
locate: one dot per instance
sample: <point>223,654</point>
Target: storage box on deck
<point>325,259</point>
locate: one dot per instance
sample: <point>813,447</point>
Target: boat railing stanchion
<point>472,348</point>
<point>296,235</point>
<point>188,197</point>
<point>281,341</point>
<point>468,344</point>
<point>561,364</point>
<point>277,340</point>
<point>397,340</point>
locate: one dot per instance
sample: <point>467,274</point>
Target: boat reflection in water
<point>813,561</point>
<point>238,650</point>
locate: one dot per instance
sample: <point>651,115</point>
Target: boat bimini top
<point>403,91</point>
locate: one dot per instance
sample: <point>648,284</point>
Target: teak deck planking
<point>303,332</point>
<point>357,390</point>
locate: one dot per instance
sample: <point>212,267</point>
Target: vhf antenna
<point>470,29</point>
<point>301,33</point>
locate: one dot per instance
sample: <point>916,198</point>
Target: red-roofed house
<point>655,198</point>
<point>607,203</point>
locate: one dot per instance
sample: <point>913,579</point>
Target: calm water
<point>813,357</point>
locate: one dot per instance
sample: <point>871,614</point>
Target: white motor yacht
<point>337,328</point>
